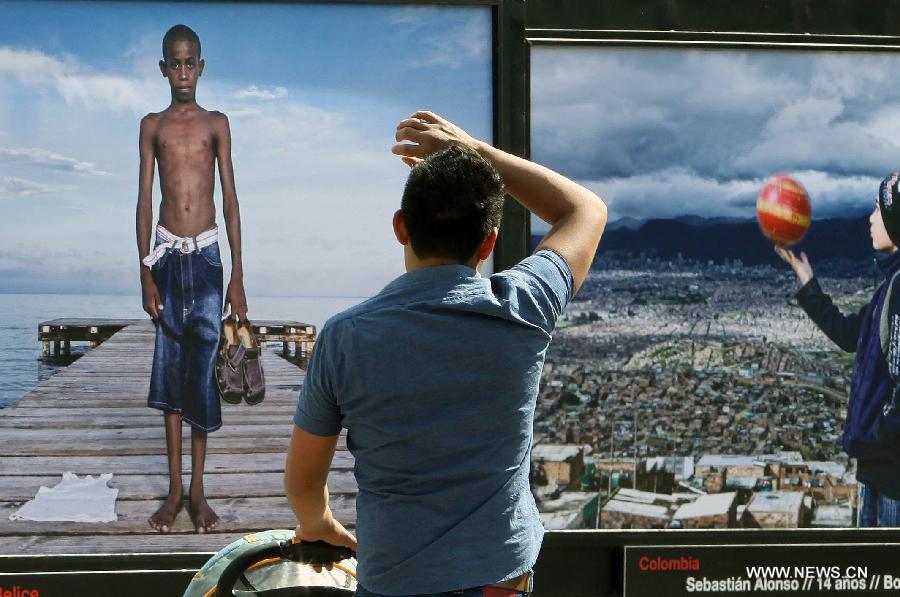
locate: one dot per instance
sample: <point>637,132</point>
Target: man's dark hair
<point>180,33</point>
<point>452,200</point>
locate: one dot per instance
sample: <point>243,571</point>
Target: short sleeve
<point>548,284</point>
<point>317,409</point>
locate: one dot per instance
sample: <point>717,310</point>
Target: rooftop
<point>707,505</point>
<point>835,469</point>
<point>635,508</point>
<point>555,452</point>
<point>727,460</point>
<point>776,501</point>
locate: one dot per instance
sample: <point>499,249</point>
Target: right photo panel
<point>687,386</point>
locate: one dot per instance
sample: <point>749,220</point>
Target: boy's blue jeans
<point>878,510</point>
<point>187,336</point>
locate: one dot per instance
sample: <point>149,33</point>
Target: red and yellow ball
<point>783,210</point>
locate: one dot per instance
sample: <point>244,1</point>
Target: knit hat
<point>889,204</point>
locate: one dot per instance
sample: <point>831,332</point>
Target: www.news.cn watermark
<point>17,591</point>
<point>805,578</point>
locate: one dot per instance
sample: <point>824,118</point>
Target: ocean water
<point>22,365</point>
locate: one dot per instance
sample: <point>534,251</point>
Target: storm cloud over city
<point>660,132</point>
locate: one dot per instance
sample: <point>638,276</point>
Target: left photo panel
<point>287,110</point>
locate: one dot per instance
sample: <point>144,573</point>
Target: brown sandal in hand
<point>254,378</point>
<point>229,364</point>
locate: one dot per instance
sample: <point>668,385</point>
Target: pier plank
<point>119,464</point>
<point>235,514</point>
<point>156,486</point>
<point>152,430</point>
<point>92,418</point>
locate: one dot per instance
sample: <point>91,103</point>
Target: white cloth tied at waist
<point>184,244</point>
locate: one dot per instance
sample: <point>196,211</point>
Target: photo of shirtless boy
<point>182,274</point>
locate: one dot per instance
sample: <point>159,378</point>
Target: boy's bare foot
<point>164,518</point>
<point>203,517</point>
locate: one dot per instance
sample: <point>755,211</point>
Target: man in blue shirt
<point>435,378</point>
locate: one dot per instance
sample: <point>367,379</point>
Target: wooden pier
<point>92,418</point>
<point>62,332</point>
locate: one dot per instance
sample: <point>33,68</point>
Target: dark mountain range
<point>841,242</point>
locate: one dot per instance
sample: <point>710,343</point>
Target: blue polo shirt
<point>435,379</point>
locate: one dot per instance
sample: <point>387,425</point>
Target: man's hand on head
<point>425,133</point>
<point>236,299</point>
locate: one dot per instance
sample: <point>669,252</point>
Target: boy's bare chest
<point>190,140</point>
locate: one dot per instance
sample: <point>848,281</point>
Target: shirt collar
<point>431,275</point>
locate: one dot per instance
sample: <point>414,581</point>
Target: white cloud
<point>32,66</point>
<point>245,113</point>
<point>455,51</point>
<point>262,93</point>
<point>674,192</point>
<point>47,159</point>
<point>120,93</point>
<point>143,56</point>
<point>837,195</point>
<point>413,15</point>
<point>20,187</point>
<point>77,83</point>
<point>470,43</point>
<point>677,192</point>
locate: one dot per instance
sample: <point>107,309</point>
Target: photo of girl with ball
<point>872,429</point>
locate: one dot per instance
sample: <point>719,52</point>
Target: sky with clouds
<point>313,93</point>
<point>669,132</point>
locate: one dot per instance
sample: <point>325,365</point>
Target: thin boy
<point>181,277</point>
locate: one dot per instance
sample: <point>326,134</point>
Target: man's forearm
<point>310,505</point>
<point>576,215</point>
<point>548,194</point>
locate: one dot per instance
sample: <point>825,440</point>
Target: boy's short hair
<point>452,200</point>
<point>180,33</point>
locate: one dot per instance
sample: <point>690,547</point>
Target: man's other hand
<point>331,532</point>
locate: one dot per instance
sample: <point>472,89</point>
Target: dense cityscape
<point>686,395</point>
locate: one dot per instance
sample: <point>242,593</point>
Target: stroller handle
<point>313,553</point>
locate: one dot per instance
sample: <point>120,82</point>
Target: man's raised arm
<point>576,215</point>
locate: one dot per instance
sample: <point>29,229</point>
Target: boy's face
<point>880,239</point>
<point>182,67</point>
